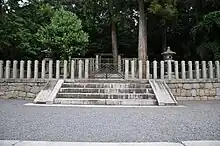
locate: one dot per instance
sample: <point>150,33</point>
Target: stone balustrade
<point>131,68</point>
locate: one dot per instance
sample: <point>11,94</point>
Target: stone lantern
<point>168,54</point>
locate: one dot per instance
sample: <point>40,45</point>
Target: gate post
<point>126,68</point>
<point>86,68</point>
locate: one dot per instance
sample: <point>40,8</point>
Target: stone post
<point>1,69</point>
<point>72,69</point>
<point>28,69</point>
<point>176,70</point>
<point>204,73</point>
<point>147,69</point>
<point>43,69</point>
<point>217,69</point>
<point>80,69</point>
<point>119,63</point>
<point>97,62</point>
<point>65,69</point>
<point>140,69</point>
<point>21,69</point>
<point>15,63</point>
<point>197,70</point>
<point>154,69</point>
<point>126,68</point>
<point>86,68</point>
<point>132,69</point>
<point>190,70</point>
<point>162,69</point>
<point>50,69</point>
<point>7,72</point>
<point>36,62</point>
<point>210,69</point>
<point>183,69</point>
<point>135,65</point>
<point>169,69</point>
<point>57,69</point>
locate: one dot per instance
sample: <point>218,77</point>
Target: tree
<point>142,41</point>
<point>113,32</point>
<point>206,36</point>
<point>64,35</point>
<point>166,11</point>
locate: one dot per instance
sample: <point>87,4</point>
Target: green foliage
<point>64,34</point>
<point>206,35</point>
<point>166,9</point>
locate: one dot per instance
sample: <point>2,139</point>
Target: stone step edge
<point>106,93</point>
<point>66,87</point>
<point>140,102</point>
<point>72,83</point>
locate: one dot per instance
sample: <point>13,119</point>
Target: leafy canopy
<point>206,36</point>
<point>64,35</point>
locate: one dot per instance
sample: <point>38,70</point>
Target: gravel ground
<point>196,121</point>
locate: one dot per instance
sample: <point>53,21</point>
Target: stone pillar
<point>176,70</point>
<point>162,69</point>
<point>140,69</point>
<point>190,70</point>
<point>1,69</point>
<point>65,63</point>
<point>15,63</point>
<point>204,73</point>
<point>154,69</point>
<point>217,69</point>
<point>210,69</point>
<point>197,70</point>
<point>126,68</point>
<point>183,69</point>
<point>80,69</point>
<point>72,69</point>
<point>119,63</point>
<point>43,69</point>
<point>7,71</point>
<point>97,62</point>
<point>50,69</point>
<point>28,69</point>
<point>135,65</point>
<point>21,69</point>
<point>57,69</point>
<point>36,62</point>
<point>147,69</point>
<point>86,68</point>
<point>169,70</point>
<point>132,69</point>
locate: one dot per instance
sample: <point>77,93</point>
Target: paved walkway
<point>194,121</point>
<point>47,143</point>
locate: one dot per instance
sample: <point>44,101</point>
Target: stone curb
<point>50,143</point>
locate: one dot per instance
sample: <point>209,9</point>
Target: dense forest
<point>35,29</point>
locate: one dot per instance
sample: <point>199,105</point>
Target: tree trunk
<point>142,42</point>
<point>113,33</point>
<point>164,38</point>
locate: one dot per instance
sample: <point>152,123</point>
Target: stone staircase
<point>106,92</point>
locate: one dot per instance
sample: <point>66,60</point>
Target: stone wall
<point>195,90</point>
<point>20,89</point>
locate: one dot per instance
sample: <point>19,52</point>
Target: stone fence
<point>130,68</point>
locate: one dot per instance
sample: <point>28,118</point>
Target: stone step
<point>106,81</point>
<point>126,102</point>
<point>105,85</point>
<point>106,95</point>
<point>106,90</point>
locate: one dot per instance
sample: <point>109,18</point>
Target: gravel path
<point>196,121</point>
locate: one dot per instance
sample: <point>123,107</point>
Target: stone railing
<point>131,68</point>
